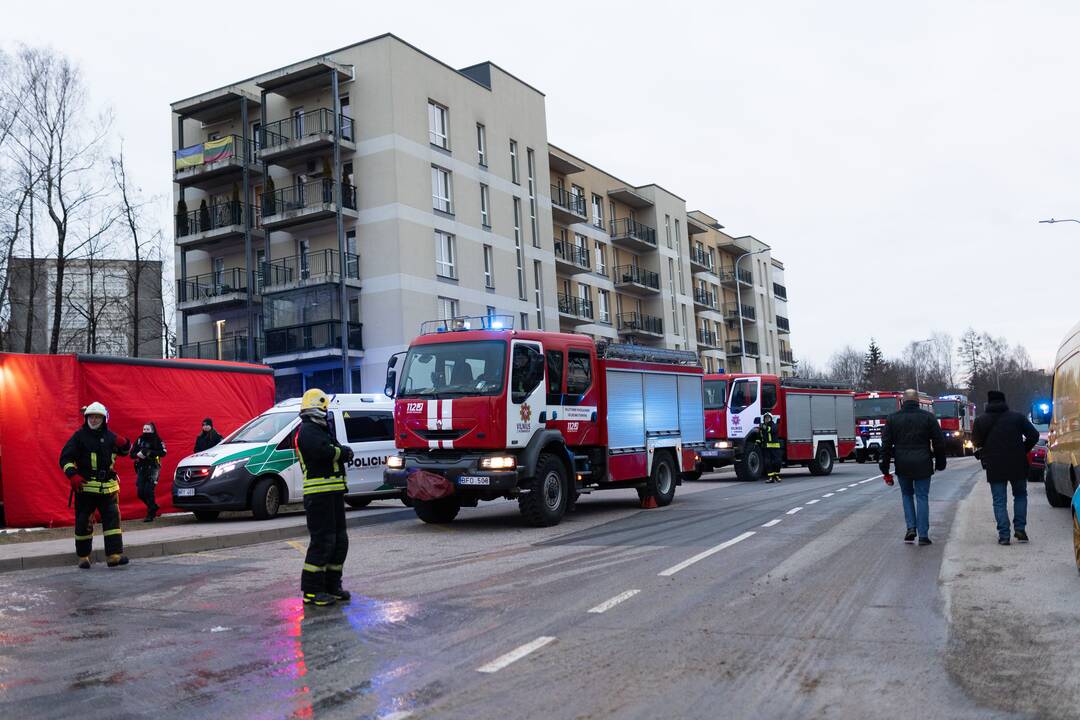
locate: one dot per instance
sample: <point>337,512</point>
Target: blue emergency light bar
<point>469,322</point>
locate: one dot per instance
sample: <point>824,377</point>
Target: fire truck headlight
<point>499,462</point>
<point>723,445</point>
<point>395,462</point>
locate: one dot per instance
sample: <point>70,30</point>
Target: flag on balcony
<point>216,150</point>
<point>189,157</point>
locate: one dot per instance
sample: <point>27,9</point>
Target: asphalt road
<point>739,600</point>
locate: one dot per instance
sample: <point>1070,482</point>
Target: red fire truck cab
<point>871,410</point>
<point>814,419</point>
<point>541,417</point>
<point>956,415</point>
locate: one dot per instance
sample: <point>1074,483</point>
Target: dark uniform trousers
<point>773,455</point>
<point>109,507</point>
<point>329,542</point>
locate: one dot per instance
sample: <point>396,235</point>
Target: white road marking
<point>776,521</point>
<point>399,715</point>
<point>840,489</point>
<point>516,654</point>
<point>827,495</point>
<point>608,604</point>
<point>792,511</point>
<point>853,484</point>
<point>702,555</point>
<point>812,502</point>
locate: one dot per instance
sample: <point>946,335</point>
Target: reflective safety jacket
<point>767,437</point>
<point>91,454</point>
<point>321,457</point>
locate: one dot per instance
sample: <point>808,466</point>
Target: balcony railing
<point>783,324</point>
<point>576,306</point>
<point>704,337</point>
<point>787,357</point>
<point>568,201</point>
<point>704,297</point>
<point>319,121</point>
<point>699,256</point>
<point>728,276</point>
<point>213,217</point>
<point>779,291</point>
<point>731,312</point>
<point>734,348</point>
<point>636,275</point>
<point>209,286</point>
<point>638,322</point>
<point>311,336</point>
<point>230,147</point>
<point>311,194</point>
<point>232,348</point>
<point>313,265</point>
<point>628,228</point>
<point>573,254</point>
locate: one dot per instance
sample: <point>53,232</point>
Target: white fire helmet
<point>96,408</point>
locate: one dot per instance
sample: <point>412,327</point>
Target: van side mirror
<point>391,382</point>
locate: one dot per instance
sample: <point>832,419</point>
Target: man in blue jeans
<point>913,439</point>
<point>1003,439</point>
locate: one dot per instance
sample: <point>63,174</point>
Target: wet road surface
<point>739,600</point>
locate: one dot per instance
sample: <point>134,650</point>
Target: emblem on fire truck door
<point>526,413</point>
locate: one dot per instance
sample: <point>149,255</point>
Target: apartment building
<point>325,209</point>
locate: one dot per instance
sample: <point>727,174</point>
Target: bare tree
<point>847,366</point>
<point>142,246</point>
<point>805,368</point>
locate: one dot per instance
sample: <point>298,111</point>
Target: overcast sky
<point>896,156</point>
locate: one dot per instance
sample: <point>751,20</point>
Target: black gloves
<point>346,453</point>
<point>940,464</point>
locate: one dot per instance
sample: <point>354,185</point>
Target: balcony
<point>728,277</point>
<point>731,312</point>
<point>214,160</point>
<point>313,268</point>
<point>571,259</point>
<point>779,291</point>
<point>308,202</point>
<point>214,290</point>
<point>215,224</point>
<point>700,260</point>
<point>636,281</point>
<point>639,324</point>
<point>576,309</point>
<point>232,348</point>
<point>568,207</point>
<point>783,325</point>
<point>733,348</point>
<point>707,339</point>
<point>787,357</point>
<point>323,338</point>
<point>633,235</point>
<point>304,133</point>
<point>704,300</point>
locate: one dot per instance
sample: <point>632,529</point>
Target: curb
<point>182,546</point>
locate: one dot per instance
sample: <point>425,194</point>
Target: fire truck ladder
<point>811,384</point>
<point>643,353</point>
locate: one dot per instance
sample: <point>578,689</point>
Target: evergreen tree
<point>875,367</point>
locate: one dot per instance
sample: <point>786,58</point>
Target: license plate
<point>474,480</point>
<point>185,492</point>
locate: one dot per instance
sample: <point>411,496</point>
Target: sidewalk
<point>1014,623</point>
<point>190,537</point>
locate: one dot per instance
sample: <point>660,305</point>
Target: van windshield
<point>946,409</point>
<point>262,429</point>
<point>452,369</point>
<point>874,407</point>
<point>715,394</point>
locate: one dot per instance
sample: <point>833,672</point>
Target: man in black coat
<point>913,439</point>
<point>208,438</point>
<point>1003,439</point>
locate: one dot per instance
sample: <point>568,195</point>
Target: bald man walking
<point>914,441</point>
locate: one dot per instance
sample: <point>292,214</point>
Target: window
<point>527,371</point>
<point>369,427</point>
<point>685,325</point>
<point>743,395</point>
<point>539,295</point>
<point>768,396</point>
<point>485,205</point>
<point>524,321</point>
<point>472,367</point>
<point>517,248</point>
<point>715,394</point>
<point>601,259</point>
<point>445,255</point>
<point>481,145</point>
<point>448,308</point>
<point>298,122</point>
<point>598,211</point>
<point>682,283</point>
<point>554,377</point>
<point>441,190</point>
<point>514,163</point>
<point>530,162</point>
<point>678,235</point>
<point>491,311</point>
<point>578,372</point>
<point>438,125</point>
<point>352,258</point>
<point>219,272</point>
<point>611,206</point>
<point>667,229</point>
<point>489,267</point>
<point>256,134</point>
<point>603,306</point>
<point>346,118</point>
<point>582,244</point>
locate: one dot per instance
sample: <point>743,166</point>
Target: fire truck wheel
<point>692,476</point>
<point>546,502</point>
<point>437,512</point>
<point>860,456</point>
<point>661,484</point>
<point>357,503</point>
<point>822,464</point>
<point>750,467</point>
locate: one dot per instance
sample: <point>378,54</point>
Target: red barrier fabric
<point>40,397</point>
<point>423,485</point>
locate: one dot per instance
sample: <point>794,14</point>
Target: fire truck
<point>871,410</point>
<point>542,417</point>
<point>815,422</point>
<point>956,415</point>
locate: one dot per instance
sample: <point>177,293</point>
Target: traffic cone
<point>649,503</point>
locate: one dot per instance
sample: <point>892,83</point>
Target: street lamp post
<point>915,358</point>
<point>738,300</point>
<point>1051,221</point>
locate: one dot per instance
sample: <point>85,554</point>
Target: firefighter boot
<point>319,599</point>
<point>117,560</point>
<point>84,563</point>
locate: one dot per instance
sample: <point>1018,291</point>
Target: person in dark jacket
<point>322,460</point>
<point>147,451</point>
<point>913,440</point>
<point>1002,440</point>
<point>771,452</point>
<point>88,460</point>
<point>208,438</point>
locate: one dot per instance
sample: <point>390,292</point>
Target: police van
<point>255,468</point>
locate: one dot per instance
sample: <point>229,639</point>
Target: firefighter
<point>88,459</point>
<point>769,442</point>
<point>322,460</point>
